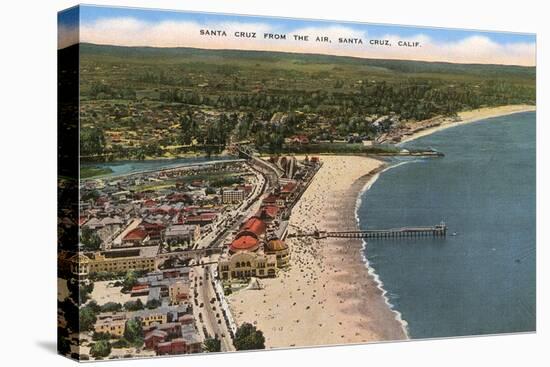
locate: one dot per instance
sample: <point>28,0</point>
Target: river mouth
<point>127,167</point>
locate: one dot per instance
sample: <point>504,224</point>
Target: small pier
<point>439,230</point>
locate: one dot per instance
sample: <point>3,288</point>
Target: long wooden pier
<point>439,230</point>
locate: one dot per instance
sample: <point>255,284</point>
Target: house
<point>299,139</point>
<point>149,317</point>
<point>154,230</point>
<point>201,219</point>
<point>288,189</point>
<point>112,323</point>
<point>273,199</point>
<point>172,329</point>
<point>136,237</point>
<point>153,338</point>
<point>139,290</point>
<point>94,223</point>
<point>186,320</point>
<point>189,345</point>
<point>179,198</point>
<point>179,292</point>
<point>112,221</point>
<point>268,213</point>
<point>121,196</point>
<point>183,233</point>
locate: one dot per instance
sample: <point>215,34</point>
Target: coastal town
<point>185,258</point>
<point>161,250</point>
<point>213,200</point>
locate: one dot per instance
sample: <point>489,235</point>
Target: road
<point>215,239</point>
<point>212,316</point>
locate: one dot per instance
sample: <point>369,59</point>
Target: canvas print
<point>231,183</point>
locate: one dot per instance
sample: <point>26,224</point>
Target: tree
<point>89,239</point>
<point>134,305</point>
<point>92,142</point>
<point>87,318</point>
<point>248,337</point>
<point>111,307</point>
<point>130,280</point>
<point>101,336</point>
<point>94,306</point>
<point>101,349</point>
<point>152,304</point>
<point>212,345</point>
<point>187,127</point>
<point>120,343</point>
<point>133,332</point>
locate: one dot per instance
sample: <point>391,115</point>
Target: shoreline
<point>467,117</point>
<point>360,311</point>
<point>329,295</point>
<point>373,177</point>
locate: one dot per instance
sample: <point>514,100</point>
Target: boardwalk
<point>439,230</point>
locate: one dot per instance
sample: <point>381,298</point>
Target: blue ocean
<point>480,279</point>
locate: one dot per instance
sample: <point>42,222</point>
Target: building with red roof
<point>289,187</point>
<point>179,198</point>
<point>154,338</point>
<point>149,203</point>
<point>154,230</point>
<point>244,242</point>
<point>254,225</point>
<point>273,199</point>
<point>201,219</point>
<point>135,237</point>
<point>270,199</point>
<point>268,212</point>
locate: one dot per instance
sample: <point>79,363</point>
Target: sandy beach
<point>467,117</point>
<point>327,295</point>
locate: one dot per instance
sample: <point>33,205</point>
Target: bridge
<point>439,230</point>
<point>272,172</point>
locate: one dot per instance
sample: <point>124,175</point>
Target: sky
<point>163,28</point>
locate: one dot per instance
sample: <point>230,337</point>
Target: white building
<point>233,196</point>
<point>182,233</point>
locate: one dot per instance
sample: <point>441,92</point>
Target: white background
<point>28,182</point>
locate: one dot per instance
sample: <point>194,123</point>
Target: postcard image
<point>231,182</point>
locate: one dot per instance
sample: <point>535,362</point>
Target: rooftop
<point>276,245</point>
<point>136,234</point>
<point>254,225</point>
<point>244,243</point>
<point>180,229</point>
